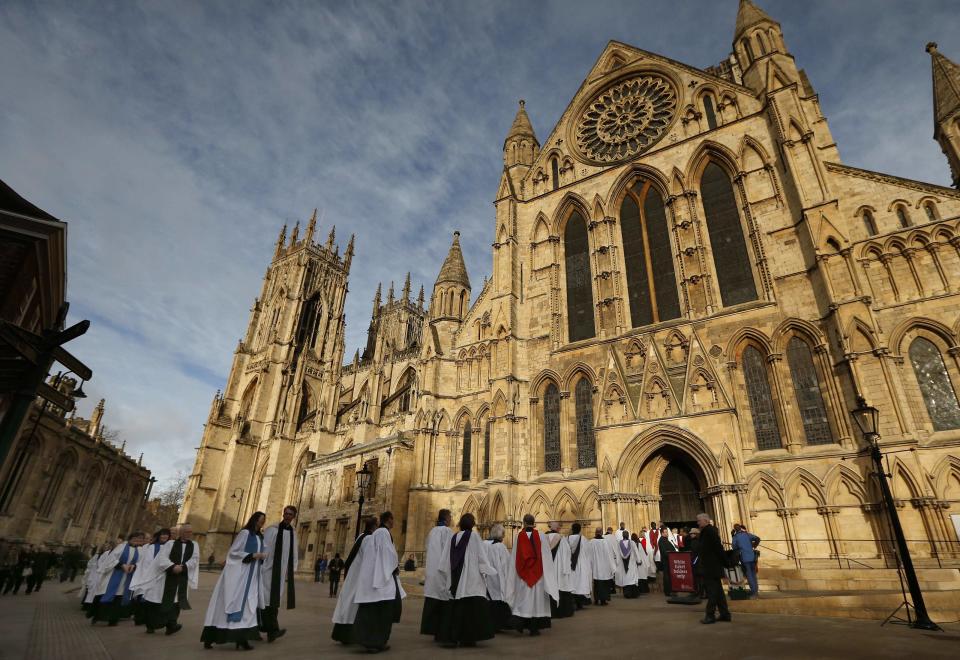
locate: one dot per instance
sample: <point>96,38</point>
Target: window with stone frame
<point>709,112</point>
<point>648,257</point>
<point>734,271</point>
<point>939,397</point>
<point>806,387</point>
<point>55,483</point>
<point>902,217</point>
<point>465,461</point>
<point>373,466</point>
<point>576,249</point>
<point>930,211</point>
<point>347,480</point>
<point>869,223</point>
<point>486,449</point>
<point>765,426</point>
<point>551,428</point>
<point>586,441</point>
<point>555,171</point>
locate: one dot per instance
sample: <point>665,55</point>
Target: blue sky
<point>177,137</point>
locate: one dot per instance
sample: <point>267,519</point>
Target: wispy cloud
<point>177,137</point>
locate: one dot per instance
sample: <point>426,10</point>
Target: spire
<point>406,289</point>
<point>749,15</point>
<point>311,226</point>
<point>453,269</point>
<point>295,234</point>
<point>356,358</point>
<point>390,293</point>
<point>376,301</point>
<point>96,419</point>
<point>420,299</point>
<point>331,236</point>
<point>946,86</point>
<point>521,125</point>
<point>280,241</point>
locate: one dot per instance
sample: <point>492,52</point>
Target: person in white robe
<point>91,577</point>
<point>277,571</point>
<point>534,579</point>
<point>147,554</point>
<point>612,543</point>
<point>643,565</point>
<point>346,609</point>
<point>466,620</point>
<point>604,568</point>
<point>232,610</point>
<point>626,569</point>
<point>378,594</point>
<point>500,582</point>
<point>564,606</point>
<point>171,574</point>
<point>114,597</point>
<point>581,571</point>
<point>435,596</point>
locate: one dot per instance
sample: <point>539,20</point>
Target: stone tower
<point>946,109</point>
<point>281,390</point>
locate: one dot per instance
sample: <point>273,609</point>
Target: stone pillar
<point>790,533</point>
<point>833,531</point>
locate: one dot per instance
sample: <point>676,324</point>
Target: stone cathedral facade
<point>689,292</point>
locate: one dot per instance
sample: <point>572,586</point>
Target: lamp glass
<point>866,417</point>
<point>363,479</point>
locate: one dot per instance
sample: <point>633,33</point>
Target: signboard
<point>681,571</point>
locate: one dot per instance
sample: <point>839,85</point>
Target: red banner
<point>681,571</point>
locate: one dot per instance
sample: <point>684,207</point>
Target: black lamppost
<point>866,418</point>
<point>363,481</point>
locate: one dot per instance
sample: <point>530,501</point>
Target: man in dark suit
<point>712,560</point>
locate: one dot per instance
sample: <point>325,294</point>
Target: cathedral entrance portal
<point>675,478</point>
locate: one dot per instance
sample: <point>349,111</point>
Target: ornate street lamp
<point>867,418</point>
<point>363,482</point>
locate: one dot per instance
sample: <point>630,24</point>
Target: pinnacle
<point>521,125</point>
<point>749,15</point>
<point>946,85</point>
<point>454,269</point>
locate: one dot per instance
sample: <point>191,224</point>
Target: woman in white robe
<point>232,611</point>
<point>498,583</point>
<point>466,620</point>
<point>534,579</point>
<point>114,597</point>
<point>626,575</point>
<point>604,568</point>
<point>91,577</point>
<point>143,574</point>
<point>581,576</point>
<point>564,606</point>
<point>435,597</point>
<point>346,609</point>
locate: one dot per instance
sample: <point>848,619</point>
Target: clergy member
<point>643,565</point>
<point>142,574</point>
<point>466,619</point>
<point>279,567</point>
<point>581,575</point>
<point>564,606</point>
<point>626,573</point>
<point>604,568</point>
<point>91,578</point>
<point>346,609</point>
<point>379,594</point>
<point>435,596</point>
<point>232,611</point>
<point>534,579</point>
<point>116,571</point>
<point>499,583</point>
<point>174,571</point>
<point>612,543</point>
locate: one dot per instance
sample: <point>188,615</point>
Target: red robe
<point>529,559</point>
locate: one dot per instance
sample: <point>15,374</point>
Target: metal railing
<point>926,553</point>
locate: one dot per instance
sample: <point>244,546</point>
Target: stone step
<point>942,606</point>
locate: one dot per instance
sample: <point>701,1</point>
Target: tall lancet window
<point>486,449</point>
<point>551,429</point>
<point>586,442</point>
<point>761,400</point>
<point>806,385</point>
<point>465,463</point>
<point>734,272</point>
<point>648,256</point>
<point>709,112</point>
<point>938,394</point>
<point>576,255</point>
<point>555,171</point>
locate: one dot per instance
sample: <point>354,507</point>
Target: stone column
<point>833,531</point>
<point>790,534</point>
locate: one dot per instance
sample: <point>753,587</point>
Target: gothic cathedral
<point>689,293</point>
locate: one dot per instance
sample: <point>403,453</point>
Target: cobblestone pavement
<point>50,625</point>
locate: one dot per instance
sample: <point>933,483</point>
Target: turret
<point>281,239</point>
<point>405,296</point>
<point>758,44</point>
<point>451,292</point>
<point>376,302</point>
<point>946,108</point>
<point>96,419</point>
<point>520,148</point>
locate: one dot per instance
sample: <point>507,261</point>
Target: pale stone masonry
<point>689,291</point>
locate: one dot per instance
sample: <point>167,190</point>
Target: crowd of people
<point>29,566</point>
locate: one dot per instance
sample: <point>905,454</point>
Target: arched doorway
<point>676,478</point>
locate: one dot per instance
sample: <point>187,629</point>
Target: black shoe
<point>708,620</point>
<point>276,634</point>
<point>245,645</point>
<point>208,645</point>
<point>113,623</point>
<point>174,628</point>
<point>725,617</point>
<point>149,631</point>
<point>534,633</point>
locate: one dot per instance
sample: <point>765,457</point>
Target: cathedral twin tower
<point>689,292</point>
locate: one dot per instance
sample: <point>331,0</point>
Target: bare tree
<point>174,490</point>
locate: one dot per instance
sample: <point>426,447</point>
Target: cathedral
<point>689,292</point>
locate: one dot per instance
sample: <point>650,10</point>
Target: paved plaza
<point>50,625</point>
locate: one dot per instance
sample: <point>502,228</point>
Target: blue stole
<point>119,577</point>
<point>252,545</point>
<point>156,548</point>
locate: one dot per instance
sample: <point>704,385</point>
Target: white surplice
<point>581,578</point>
<point>108,561</point>
<point>438,548</point>
<point>500,582</point>
<point>644,563</point>
<point>534,602</point>
<point>231,594</point>
<point>91,578</point>
<point>377,582</point>
<point>142,574</point>
<point>627,576</point>
<point>270,547</point>
<point>346,610</point>
<point>602,560</point>
<point>475,568</point>
<point>561,561</point>
<point>155,577</point>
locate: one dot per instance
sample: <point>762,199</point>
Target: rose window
<point>626,119</point>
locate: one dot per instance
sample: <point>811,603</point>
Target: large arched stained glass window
<point>734,273</point>
<point>651,281</point>
<point>586,443</point>
<point>486,450</point>
<point>465,463</point>
<point>576,250</point>
<point>806,385</point>
<point>551,429</point>
<point>765,425</point>
<point>935,386</point>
